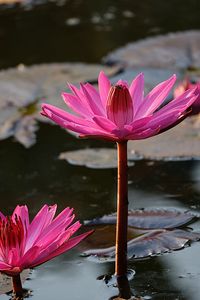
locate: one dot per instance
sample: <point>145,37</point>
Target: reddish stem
<point>17,286</point>
<point>122,222</point>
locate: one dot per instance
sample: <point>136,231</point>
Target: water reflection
<point>184,271</point>
<point>54,31</point>
<point>36,176</point>
<point>165,184</point>
<point>75,279</point>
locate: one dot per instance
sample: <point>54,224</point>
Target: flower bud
<point>119,105</point>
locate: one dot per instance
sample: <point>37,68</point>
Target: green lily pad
<point>95,158</point>
<point>171,51</point>
<point>23,89</point>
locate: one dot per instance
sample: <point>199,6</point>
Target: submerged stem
<point>122,222</point>
<point>17,286</point>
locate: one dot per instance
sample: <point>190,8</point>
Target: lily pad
<point>150,219</point>
<point>104,237</point>
<point>152,243</point>
<point>95,158</point>
<point>153,76</point>
<point>23,89</point>
<point>180,142</point>
<point>6,281</point>
<point>175,50</point>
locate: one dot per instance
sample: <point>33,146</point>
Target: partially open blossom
<point>25,244</point>
<point>185,85</point>
<point>120,112</point>
<point>119,105</point>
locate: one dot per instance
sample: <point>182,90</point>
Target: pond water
<point>40,31</point>
<point>36,176</point>
<point>55,31</point>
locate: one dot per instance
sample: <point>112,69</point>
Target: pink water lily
<point>120,112</point>
<point>25,244</point>
<point>185,85</point>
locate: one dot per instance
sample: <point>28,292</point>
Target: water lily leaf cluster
<point>151,232</point>
<point>24,88</point>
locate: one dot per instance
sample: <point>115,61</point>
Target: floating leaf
<point>174,145</point>
<point>23,89</point>
<point>150,218</point>
<point>104,237</point>
<point>98,158</point>
<point>25,131</point>
<point>152,243</point>
<point>171,51</point>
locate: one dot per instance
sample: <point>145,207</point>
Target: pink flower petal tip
<point>25,244</point>
<point>185,85</point>
<point>121,112</point>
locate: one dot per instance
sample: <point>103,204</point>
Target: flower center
<point>119,105</point>
<point>11,234</point>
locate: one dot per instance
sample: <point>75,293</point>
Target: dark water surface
<point>36,176</point>
<point>52,32</point>
<point>41,31</point>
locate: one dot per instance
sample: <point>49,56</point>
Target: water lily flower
<point>25,244</point>
<point>120,112</point>
<point>185,85</point>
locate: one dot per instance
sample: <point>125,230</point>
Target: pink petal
<point>74,227</point>
<point>122,82</point>
<point>80,126</point>
<point>22,213</point>
<point>138,124</point>
<point>96,109</point>
<point>136,91</point>
<point>121,133</point>
<point>2,216</point>
<point>186,99</point>
<point>69,125</point>
<point>13,257</point>
<point>53,232</point>
<point>168,120</point>
<point>63,248</point>
<point>80,95</point>
<point>83,127</point>
<point>30,256</point>
<point>85,130</point>
<point>104,123</point>
<point>60,239</point>
<point>144,134</point>
<point>95,97</point>
<point>155,98</point>
<point>4,266</point>
<point>104,87</point>
<point>61,220</point>
<point>59,114</point>
<point>133,129</point>
<point>76,105</point>
<point>41,220</point>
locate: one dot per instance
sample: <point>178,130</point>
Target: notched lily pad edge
<point>192,216</point>
<point>140,249</point>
